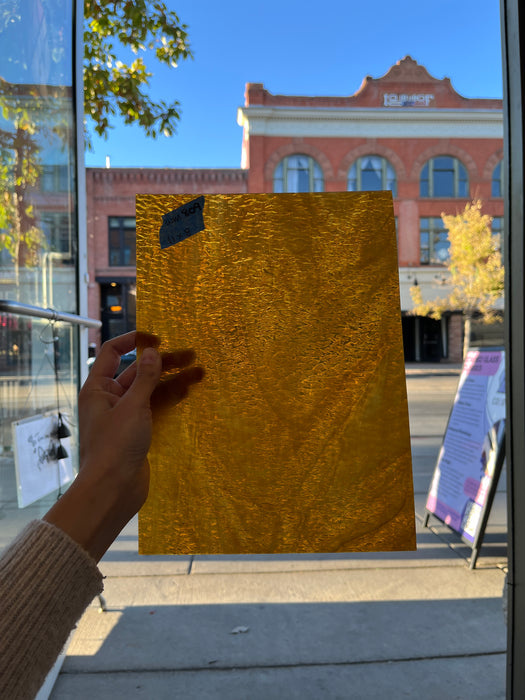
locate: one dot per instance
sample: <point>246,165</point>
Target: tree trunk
<point>466,334</point>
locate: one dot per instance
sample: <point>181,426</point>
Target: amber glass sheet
<point>297,440</point>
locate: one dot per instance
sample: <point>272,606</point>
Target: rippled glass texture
<point>297,440</point>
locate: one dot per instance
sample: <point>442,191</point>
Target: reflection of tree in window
<point>372,173</point>
<point>433,240</point>
<point>497,180</point>
<point>55,178</point>
<point>122,241</point>
<point>298,173</point>
<point>444,176</point>
<point>57,227</point>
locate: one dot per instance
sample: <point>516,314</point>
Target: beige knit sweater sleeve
<point>46,582</point>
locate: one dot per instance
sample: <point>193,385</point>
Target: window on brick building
<point>443,176</point>
<point>372,173</point>
<point>433,241</point>
<point>57,228</point>
<point>122,241</point>
<point>497,180</point>
<point>298,173</point>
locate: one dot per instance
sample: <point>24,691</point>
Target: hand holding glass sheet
<point>297,440</point>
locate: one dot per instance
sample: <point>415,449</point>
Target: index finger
<point>170,360</point>
<point>108,359</point>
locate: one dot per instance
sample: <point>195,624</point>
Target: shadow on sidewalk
<point>380,649</point>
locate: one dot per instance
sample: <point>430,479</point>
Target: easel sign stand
<point>473,451</point>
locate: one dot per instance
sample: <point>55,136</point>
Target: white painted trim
<point>432,281</point>
<point>372,123</point>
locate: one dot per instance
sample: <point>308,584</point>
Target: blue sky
<point>300,47</point>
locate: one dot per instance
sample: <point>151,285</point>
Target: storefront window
<point>38,244</point>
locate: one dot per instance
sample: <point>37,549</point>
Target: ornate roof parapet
<point>406,84</point>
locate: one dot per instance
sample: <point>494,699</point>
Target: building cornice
<point>371,122</point>
<point>168,175</point>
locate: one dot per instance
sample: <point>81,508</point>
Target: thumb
<point>148,376</point>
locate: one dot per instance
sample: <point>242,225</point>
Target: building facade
<point>110,194</point>
<point>406,131</point>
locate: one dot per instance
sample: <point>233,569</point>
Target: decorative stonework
<point>491,164</point>
<point>407,80</point>
<point>295,148</point>
<point>371,149</point>
<point>444,148</point>
<point>408,71</point>
<point>182,175</point>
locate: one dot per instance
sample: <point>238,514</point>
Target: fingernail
<point>149,356</point>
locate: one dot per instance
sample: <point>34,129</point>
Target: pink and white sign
<point>474,434</point>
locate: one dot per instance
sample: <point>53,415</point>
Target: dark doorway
<point>117,308</point>
<point>430,339</point>
<point>409,337</point>
<point>422,339</point>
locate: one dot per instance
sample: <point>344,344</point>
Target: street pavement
<point>360,626</point>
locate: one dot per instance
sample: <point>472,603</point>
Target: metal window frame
<point>513,42</point>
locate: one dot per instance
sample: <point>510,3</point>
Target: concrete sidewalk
<point>342,626</point>
<point>337,626</point>
<point>363,626</point>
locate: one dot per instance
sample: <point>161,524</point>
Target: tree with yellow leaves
<point>475,267</point>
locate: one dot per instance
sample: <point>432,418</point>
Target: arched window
<point>298,173</point>
<point>497,180</point>
<point>443,176</point>
<point>372,173</point>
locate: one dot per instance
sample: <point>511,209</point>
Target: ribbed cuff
<point>46,582</point>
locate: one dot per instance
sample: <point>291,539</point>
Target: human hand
<point>115,418</point>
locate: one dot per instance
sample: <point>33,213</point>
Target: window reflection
<point>444,176</point>
<point>37,154</point>
<point>36,40</point>
<point>122,241</point>
<point>298,173</point>
<point>433,241</point>
<point>38,221</point>
<point>372,173</point>
<point>497,180</point>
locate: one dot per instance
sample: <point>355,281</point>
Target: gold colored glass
<point>297,439</point>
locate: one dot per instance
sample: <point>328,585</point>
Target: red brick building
<point>406,131</point>
<point>110,194</point>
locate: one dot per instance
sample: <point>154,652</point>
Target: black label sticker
<point>181,223</point>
